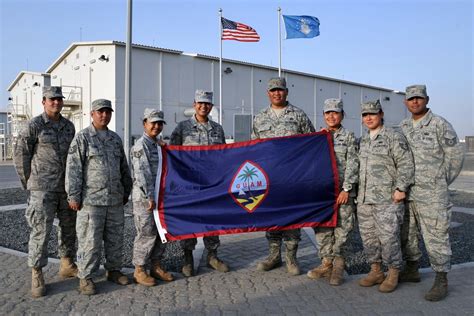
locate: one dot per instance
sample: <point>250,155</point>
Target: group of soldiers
<point>396,179</point>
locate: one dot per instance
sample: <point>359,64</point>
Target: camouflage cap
<point>52,92</point>
<point>333,105</point>
<point>276,83</point>
<point>416,90</point>
<point>371,107</point>
<point>203,96</point>
<point>100,104</point>
<point>153,115</point>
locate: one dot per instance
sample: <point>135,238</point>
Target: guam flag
<point>259,185</point>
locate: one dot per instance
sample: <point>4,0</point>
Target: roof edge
<point>20,74</point>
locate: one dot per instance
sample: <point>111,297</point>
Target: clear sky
<point>384,43</point>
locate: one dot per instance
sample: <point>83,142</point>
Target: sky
<point>386,43</point>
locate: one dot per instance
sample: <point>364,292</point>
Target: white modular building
<point>166,79</point>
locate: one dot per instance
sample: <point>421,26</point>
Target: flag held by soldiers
<point>301,26</point>
<point>260,185</point>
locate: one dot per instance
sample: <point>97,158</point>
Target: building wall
<point>27,94</point>
<point>167,80</point>
<point>92,77</point>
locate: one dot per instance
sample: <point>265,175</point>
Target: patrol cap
<point>153,115</point>
<point>276,83</point>
<point>101,104</point>
<point>333,105</point>
<point>371,107</point>
<point>203,96</point>
<point>416,90</point>
<point>50,92</point>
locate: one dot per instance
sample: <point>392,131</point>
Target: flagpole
<point>279,42</point>
<point>220,67</point>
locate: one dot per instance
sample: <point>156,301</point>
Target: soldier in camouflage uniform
<point>385,175</point>
<point>200,130</point>
<point>98,184</point>
<point>281,119</point>
<point>331,241</point>
<point>144,157</point>
<point>40,153</point>
<point>438,160</point>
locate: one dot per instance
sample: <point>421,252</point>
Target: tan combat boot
<point>215,263</point>
<point>38,288</point>
<point>141,277</point>
<point>117,277</point>
<point>158,272</point>
<point>439,289</point>
<point>391,281</point>
<point>67,268</point>
<point>273,260</point>
<point>410,272</point>
<point>337,273</point>
<point>86,287</point>
<point>290,258</point>
<point>321,271</point>
<point>374,277</point>
<point>188,267</point>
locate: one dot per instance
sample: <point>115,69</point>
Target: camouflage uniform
<point>97,175</point>
<point>267,124</point>
<point>40,153</point>
<point>438,159</point>
<point>331,241</point>
<point>386,164</point>
<point>191,132</point>
<point>144,165</point>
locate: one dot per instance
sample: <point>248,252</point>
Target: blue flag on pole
<point>301,26</point>
<point>260,185</point>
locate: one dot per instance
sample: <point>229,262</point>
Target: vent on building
<point>242,127</point>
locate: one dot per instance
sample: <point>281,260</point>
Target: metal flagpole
<point>279,42</point>
<point>128,82</point>
<point>220,68</point>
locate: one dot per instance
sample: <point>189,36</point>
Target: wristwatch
<point>347,188</point>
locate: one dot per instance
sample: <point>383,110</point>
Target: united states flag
<point>238,32</point>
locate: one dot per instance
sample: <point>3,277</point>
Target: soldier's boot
<point>290,258</point>
<point>410,272</point>
<point>38,288</point>
<point>188,267</point>
<point>117,277</point>
<point>439,289</point>
<point>86,287</point>
<point>141,277</point>
<point>273,260</point>
<point>322,271</point>
<point>375,276</point>
<point>158,272</point>
<point>215,263</point>
<point>67,268</point>
<point>337,273</point>
<point>391,281</point>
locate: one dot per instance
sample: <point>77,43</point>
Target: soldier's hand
<point>342,198</point>
<point>324,129</point>
<point>151,205</point>
<point>76,206</point>
<point>398,196</point>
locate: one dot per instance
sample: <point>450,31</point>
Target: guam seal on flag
<point>259,185</point>
<point>249,186</point>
